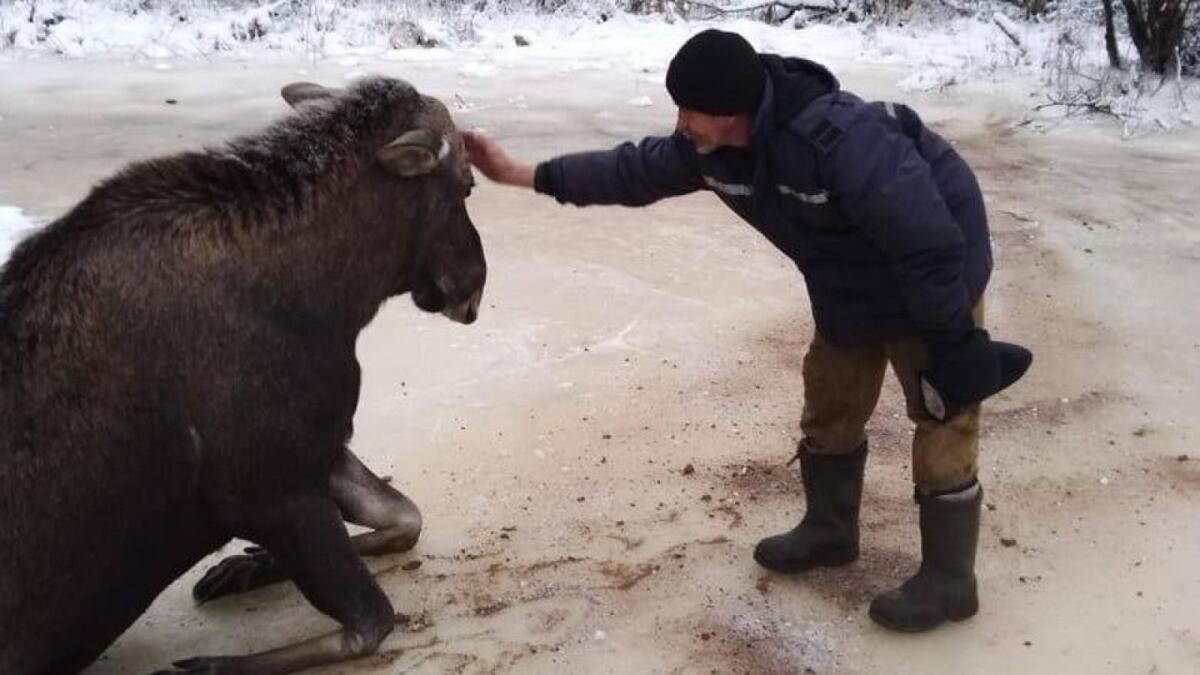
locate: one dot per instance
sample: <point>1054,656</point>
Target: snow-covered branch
<point>771,12</point>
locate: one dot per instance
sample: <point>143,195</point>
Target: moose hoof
<point>237,574</point>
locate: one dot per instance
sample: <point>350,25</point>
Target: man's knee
<point>841,388</point>
<point>946,456</point>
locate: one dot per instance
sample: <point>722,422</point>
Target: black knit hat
<point>717,73</point>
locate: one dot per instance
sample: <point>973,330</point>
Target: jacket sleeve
<point>632,175</point>
<point>886,188</point>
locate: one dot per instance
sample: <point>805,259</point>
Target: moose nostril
<point>446,285</point>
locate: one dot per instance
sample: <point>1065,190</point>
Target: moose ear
<point>299,93</point>
<point>414,153</point>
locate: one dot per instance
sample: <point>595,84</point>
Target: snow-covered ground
<point>547,443</point>
<point>1058,54</point>
<point>947,45</point>
<point>1049,60</point>
<point>932,54</point>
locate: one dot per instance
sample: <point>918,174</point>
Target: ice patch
<point>479,70</point>
<point>577,66</point>
<point>157,52</point>
<point>928,80</point>
<point>417,55</point>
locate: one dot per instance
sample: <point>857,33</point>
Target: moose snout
<point>467,311</point>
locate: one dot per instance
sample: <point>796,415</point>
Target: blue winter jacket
<point>883,218</point>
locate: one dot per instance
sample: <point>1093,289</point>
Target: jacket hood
<point>792,84</point>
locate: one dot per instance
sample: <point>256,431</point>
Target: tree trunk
<point>1137,29</point>
<point>1110,36</point>
<point>1156,27</point>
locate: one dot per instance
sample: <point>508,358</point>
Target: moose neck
<point>341,267</point>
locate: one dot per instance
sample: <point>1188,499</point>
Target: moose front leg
<point>363,499</point>
<point>306,535</point>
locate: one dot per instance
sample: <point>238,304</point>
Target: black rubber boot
<point>944,586</point>
<point>828,534</point>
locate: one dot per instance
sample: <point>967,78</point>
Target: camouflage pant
<point>841,388</point>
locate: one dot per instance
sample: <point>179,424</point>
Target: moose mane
<point>249,187</point>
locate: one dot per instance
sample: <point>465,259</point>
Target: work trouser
<point>841,388</point>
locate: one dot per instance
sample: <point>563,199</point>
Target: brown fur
<point>178,350</point>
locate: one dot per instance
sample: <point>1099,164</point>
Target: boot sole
<point>834,559</point>
<point>884,621</point>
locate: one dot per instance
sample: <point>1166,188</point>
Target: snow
<point>479,69</point>
<point>1058,58</point>
<point>325,30</point>
<point>1059,55</point>
<point>952,55</point>
<point>928,79</point>
<point>14,225</point>
<point>418,55</point>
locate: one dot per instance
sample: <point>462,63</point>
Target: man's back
<point>844,188</point>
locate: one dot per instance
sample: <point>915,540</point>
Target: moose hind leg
<point>308,539</point>
<point>368,500</point>
<point>363,498</point>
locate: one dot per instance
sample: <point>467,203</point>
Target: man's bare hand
<point>487,156</point>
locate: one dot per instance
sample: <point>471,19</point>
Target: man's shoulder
<point>825,123</point>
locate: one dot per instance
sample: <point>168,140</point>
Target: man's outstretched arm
<point>629,174</point>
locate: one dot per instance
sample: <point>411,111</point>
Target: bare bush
<point>1189,47</point>
<point>1032,7</point>
<point>1077,90</point>
<point>1035,7</point>
<point>655,6</point>
<point>408,33</point>
<point>769,11</point>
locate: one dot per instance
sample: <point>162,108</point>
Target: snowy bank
<point>1060,54</point>
<point>14,225</point>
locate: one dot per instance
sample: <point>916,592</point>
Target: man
<point>887,224</point>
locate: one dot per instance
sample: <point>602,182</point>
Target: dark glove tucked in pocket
<point>969,371</point>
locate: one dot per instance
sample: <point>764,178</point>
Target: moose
<point>178,368</point>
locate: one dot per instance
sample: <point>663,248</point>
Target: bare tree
<point>1157,30</point>
<point>1110,36</point>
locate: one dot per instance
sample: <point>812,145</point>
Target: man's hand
<point>487,156</point>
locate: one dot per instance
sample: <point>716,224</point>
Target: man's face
<point>709,132</point>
